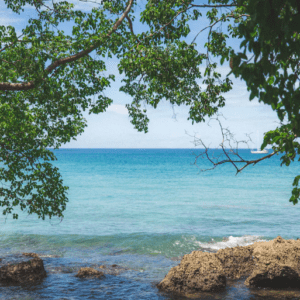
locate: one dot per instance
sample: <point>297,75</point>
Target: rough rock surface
<point>89,272</point>
<point>237,262</point>
<point>31,254</point>
<point>23,272</point>
<point>198,271</point>
<point>273,264</point>
<point>277,264</point>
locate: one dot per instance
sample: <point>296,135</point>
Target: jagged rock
<point>198,271</point>
<point>273,264</point>
<point>277,264</point>
<point>237,262</point>
<point>31,254</point>
<point>89,272</point>
<point>23,272</point>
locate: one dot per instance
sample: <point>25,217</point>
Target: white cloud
<point>8,21</point>
<point>117,108</point>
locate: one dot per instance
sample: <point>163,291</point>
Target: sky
<point>168,127</point>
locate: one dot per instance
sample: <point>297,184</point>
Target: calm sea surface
<point>142,209</point>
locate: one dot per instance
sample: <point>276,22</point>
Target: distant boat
<point>259,151</point>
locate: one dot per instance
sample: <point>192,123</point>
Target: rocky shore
<point>29,268</point>
<point>274,264</point>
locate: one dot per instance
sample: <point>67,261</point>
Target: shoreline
<point>66,269</point>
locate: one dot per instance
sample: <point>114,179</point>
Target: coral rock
<point>237,262</point>
<point>197,272</point>
<point>277,264</point>
<point>30,254</point>
<point>23,272</point>
<point>89,272</point>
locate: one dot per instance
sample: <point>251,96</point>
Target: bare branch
<point>130,24</point>
<point>217,21</point>
<point>216,6</point>
<point>31,84</point>
<point>228,137</point>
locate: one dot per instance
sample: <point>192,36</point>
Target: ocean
<point>143,209</point>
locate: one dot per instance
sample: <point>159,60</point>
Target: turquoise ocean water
<point>142,209</point>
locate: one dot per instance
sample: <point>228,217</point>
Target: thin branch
<point>161,28</point>
<point>31,84</point>
<point>227,137</point>
<point>130,24</point>
<point>7,46</point>
<point>220,5</point>
<point>217,21</point>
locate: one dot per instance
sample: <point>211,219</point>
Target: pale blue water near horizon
<point>142,209</point>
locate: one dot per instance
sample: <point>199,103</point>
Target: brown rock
<point>30,254</point>
<point>198,271</point>
<point>277,264</point>
<point>237,262</point>
<point>89,272</point>
<point>23,272</point>
<point>274,264</point>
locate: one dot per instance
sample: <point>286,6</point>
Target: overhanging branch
<point>24,86</point>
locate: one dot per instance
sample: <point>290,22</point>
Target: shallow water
<point>143,210</point>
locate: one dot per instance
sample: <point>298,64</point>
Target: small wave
<point>231,241</point>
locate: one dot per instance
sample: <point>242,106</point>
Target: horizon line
<point>160,148</point>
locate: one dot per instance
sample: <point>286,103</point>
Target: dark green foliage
<point>158,65</point>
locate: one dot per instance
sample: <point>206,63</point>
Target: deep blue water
<point>142,209</point>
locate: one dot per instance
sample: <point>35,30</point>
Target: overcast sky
<point>169,127</point>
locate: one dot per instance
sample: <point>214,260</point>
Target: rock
<point>30,254</point>
<point>237,262</point>
<point>198,271</point>
<point>277,264</point>
<point>49,255</point>
<point>23,272</point>
<point>89,272</point>
<point>273,264</point>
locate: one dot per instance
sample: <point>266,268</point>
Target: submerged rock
<point>198,271</point>
<point>277,264</point>
<point>31,254</point>
<point>23,272</point>
<point>273,264</point>
<point>112,269</point>
<point>89,272</point>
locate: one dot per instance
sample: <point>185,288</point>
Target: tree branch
<point>217,21</point>
<point>227,137</point>
<point>216,6</point>
<point>24,86</point>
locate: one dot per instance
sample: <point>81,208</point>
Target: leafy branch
<point>24,86</point>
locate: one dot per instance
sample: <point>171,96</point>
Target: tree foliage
<point>48,78</point>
